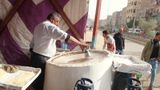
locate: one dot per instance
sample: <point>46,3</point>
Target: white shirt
<point>44,38</point>
<point>110,40</point>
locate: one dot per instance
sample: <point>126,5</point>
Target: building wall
<point>115,19</point>
<point>124,15</point>
<point>154,9</point>
<point>136,9</point>
<point>133,9</point>
<point>109,19</point>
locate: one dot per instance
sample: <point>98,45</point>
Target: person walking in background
<point>43,44</point>
<point>109,42</point>
<point>151,54</point>
<point>119,41</point>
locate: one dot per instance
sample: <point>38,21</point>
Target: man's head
<point>121,30</point>
<point>105,33</point>
<point>54,18</point>
<point>157,36</point>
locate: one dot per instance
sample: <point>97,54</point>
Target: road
<point>131,48</point>
<point>135,49</point>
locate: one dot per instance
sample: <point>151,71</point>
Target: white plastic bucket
<point>63,71</point>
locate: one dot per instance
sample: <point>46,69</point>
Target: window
<point>158,2</point>
<point>135,3</point>
<point>134,10</point>
<point>157,10</point>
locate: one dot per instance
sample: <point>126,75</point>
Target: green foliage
<point>158,24</point>
<point>136,23</point>
<point>151,34</point>
<point>148,25</point>
<point>108,27</point>
<point>130,23</point>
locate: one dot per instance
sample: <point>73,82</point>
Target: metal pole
<point>96,23</point>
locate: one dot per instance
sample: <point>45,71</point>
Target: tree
<point>108,27</point>
<point>158,24</point>
<point>148,25</point>
<point>130,23</point>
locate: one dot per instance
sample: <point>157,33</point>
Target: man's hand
<point>80,42</point>
<point>84,46</point>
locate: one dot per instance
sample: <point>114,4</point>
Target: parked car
<point>136,30</point>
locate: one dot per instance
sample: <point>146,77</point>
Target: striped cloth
<point>15,40</point>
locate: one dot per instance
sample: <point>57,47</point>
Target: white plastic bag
<point>130,64</point>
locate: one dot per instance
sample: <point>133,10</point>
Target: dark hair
<point>105,32</point>
<point>158,33</point>
<point>53,15</point>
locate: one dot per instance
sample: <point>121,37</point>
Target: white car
<point>136,30</point>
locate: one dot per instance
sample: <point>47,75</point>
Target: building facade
<point>154,10</point>
<point>135,10</point>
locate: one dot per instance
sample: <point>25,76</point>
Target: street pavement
<point>131,48</point>
<point>135,49</point>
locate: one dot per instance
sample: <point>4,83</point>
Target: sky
<point>107,8</point>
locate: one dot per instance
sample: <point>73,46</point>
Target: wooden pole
<point>66,19</point>
<point>10,15</point>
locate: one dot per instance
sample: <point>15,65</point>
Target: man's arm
<point>74,40</point>
<point>59,34</point>
<point>31,46</point>
<point>111,44</point>
<point>110,47</point>
<point>105,43</point>
<point>144,51</point>
<point>123,42</point>
<point>114,36</point>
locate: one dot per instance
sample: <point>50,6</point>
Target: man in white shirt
<point>44,44</point>
<point>109,42</point>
